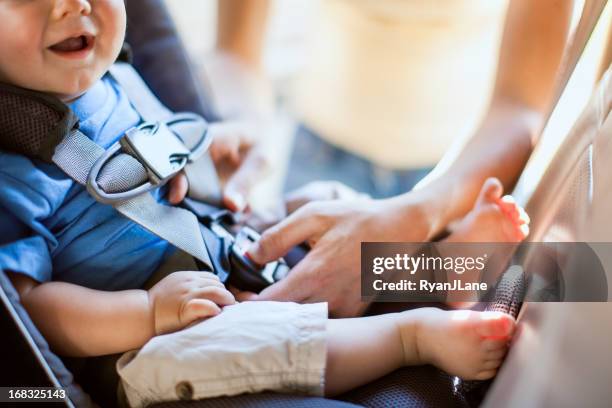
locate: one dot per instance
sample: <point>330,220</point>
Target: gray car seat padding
<point>156,45</point>
<point>263,400</point>
<point>413,387</point>
<point>36,346</point>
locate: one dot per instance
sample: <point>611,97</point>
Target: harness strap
<point>77,154</point>
<point>112,175</point>
<point>147,105</point>
<point>201,174</point>
<point>145,157</point>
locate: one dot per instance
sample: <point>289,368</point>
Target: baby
<point>79,266</point>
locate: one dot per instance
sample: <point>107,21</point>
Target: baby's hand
<point>184,297</point>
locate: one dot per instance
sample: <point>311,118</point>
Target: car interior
<point>560,354</point>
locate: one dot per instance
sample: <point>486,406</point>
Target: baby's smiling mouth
<point>75,46</point>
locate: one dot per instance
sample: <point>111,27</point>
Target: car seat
<point>31,363</point>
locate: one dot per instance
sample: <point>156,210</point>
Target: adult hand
<point>320,191</point>
<point>293,200</point>
<point>240,160</point>
<point>335,229</point>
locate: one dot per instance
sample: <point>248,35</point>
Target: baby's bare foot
<point>464,343</point>
<point>493,219</point>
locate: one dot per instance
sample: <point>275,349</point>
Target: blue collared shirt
<point>52,229</point>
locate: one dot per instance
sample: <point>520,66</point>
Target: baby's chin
<point>75,87</point>
<point>68,97</point>
<point>64,85</point>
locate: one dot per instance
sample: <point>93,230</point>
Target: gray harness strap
<point>77,155</point>
<point>201,173</point>
<point>141,97</point>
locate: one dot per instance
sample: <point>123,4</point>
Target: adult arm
<point>241,29</point>
<point>240,84</point>
<point>534,39</point>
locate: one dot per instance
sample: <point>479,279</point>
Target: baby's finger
<point>202,278</point>
<point>204,281</point>
<point>207,275</point>
<point>178,188</point>
<point>198,309</point>
<point>220,296</point>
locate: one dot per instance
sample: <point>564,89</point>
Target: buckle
<point>157,148</point>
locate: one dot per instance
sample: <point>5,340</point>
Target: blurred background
<point>307,52</point>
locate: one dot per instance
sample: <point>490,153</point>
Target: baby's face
<point>60,47</point>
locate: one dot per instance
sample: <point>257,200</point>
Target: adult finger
<point>295,286</point>
<point>244,296</point>
<point>276,241</point>
<point>253,170</point>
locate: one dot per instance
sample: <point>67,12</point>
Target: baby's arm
<point>78,321</point>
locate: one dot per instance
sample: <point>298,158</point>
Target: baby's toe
<point>494,346</point>
<point>491,365</point>
<point>523,231</point>
<point>491,191</point>
<point>495,325</point>
<point>509,206</point>
<point>486,375</point>
<point>498,353</point>
<point>523,216</point>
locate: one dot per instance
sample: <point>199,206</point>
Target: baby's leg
<point>464,343</point>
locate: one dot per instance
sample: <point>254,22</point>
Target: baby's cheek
<point>17,65</point>
<point>111,18</point>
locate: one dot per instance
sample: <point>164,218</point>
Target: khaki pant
<point>249,347</point>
